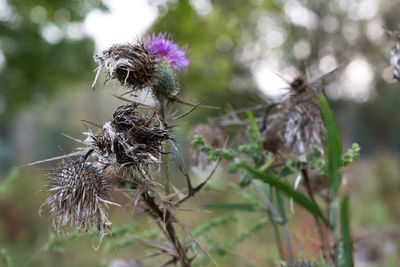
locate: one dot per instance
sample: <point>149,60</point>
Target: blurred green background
<point>46,69</point>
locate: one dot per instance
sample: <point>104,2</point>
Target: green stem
<point>276,217</point>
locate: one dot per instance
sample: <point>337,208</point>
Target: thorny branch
<point>193,190</point>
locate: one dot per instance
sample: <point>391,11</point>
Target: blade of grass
<point>333,144</point>
<point>346,236</point>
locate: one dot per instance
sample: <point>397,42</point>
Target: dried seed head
<point>131,64</point>
<point>395,55</point>
<point>129,139</point>
<point>78,198</point>
<point>297,127</point>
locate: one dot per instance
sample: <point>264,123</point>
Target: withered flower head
<point>297,126</point>
<point>395,54</point>
<point>129,139</point>
<point>78,198</point>
<point>131,64</point>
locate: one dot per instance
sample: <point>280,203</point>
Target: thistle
<point>129,139</point>
<point>78,198</point>
<point>163,48</point>
<point>170,59</point>
<point>151,64</point>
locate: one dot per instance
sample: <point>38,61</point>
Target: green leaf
<point>232,206</point>
<point>346,237</point>
<point>253,121</point>
<point>333,144</point>
<point>297,196</point>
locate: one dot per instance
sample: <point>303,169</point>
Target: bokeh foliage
<point>35,67</point>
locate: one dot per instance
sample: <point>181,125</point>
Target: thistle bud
<point>166,83</point>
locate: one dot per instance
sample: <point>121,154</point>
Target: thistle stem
<point>166,167</point>
<point>325,247</point>
<point>158,215</point>
<point>165,148</point>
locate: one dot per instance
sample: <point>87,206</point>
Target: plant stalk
<point>165,160</point>
<point>158,215</point>
<point>325,247</point>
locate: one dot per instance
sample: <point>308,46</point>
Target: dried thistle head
<point>395,54</point>
<point>131,64</point>
<point>297,126</point>
<point>78,198</point>
<point>129,139</point>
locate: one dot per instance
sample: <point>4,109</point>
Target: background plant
<point>255,162</point>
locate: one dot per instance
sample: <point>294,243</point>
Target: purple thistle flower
<point>164,48</point>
